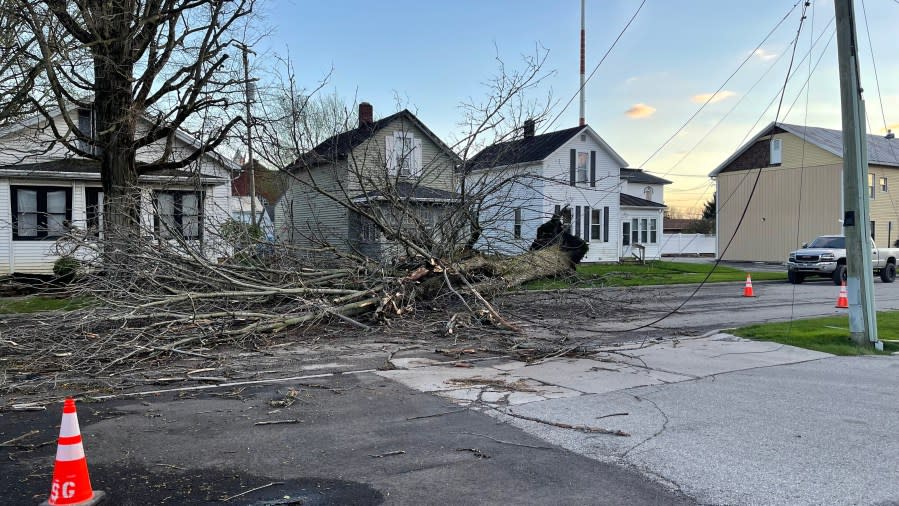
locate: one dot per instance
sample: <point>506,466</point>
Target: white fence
<point>688,244</point>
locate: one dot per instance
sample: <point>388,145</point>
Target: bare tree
<point>166,61</point>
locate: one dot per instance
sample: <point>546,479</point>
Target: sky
<point>645,100</point>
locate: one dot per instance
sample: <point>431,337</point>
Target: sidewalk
<point>721,419</point>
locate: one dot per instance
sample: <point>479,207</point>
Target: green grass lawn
<point>650,273</point>
<point>829,334</point>
<point>37,303</point>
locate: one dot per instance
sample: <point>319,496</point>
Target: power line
<point>713,95</point>
<point>751,192</point>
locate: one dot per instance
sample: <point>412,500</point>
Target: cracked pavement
<point>720,419</point>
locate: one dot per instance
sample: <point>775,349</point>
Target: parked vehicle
<point>826,257</point>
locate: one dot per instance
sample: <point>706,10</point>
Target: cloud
<point>721,95</point>
<point>639,111</point>
<point>763,55</point>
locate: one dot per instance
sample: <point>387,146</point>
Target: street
<point>692,418</point>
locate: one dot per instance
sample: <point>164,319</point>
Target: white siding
<point>507,190</point>
<point>606,193</point>
<point>653,249</point>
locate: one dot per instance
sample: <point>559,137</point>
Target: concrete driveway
<point>719,419</point>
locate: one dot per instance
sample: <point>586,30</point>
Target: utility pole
<point>583,119</point>
<point>856,205</point>
<point>248,95</point>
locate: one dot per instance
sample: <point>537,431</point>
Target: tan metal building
<point>791,177</point>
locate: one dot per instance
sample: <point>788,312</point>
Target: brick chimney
<point>366,113</point>
<point>529,127</point>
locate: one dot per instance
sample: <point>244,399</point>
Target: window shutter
<point>605,224</point>
<point>593,169</point>
<point>417,168</point>
<point>390,154</point>
<point>577,221</point>
<point>573,169</point>
<point>587,223</point>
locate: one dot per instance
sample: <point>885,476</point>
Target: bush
<point>65,268</point>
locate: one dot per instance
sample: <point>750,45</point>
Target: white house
<point>45,190</point>
<point>642,211</point>
<point>571,172</point>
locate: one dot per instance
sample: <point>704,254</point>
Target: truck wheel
<point>795,277</point>
<point>888,273</point>
<point>839,275</point>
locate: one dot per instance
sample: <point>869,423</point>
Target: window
<point>404,154</point>
<point>582,160</point>
<point>86,125</point>
<point>178,214</point>
<point>40,212</point>
<point>516,228</point>
<point>635,230</point>
<point>653,231</point>
<point>776,150</point>
<point>94,198</point>
<point>872,230</point>
<point>871,184</point>
<point>647,193</point>
<point>626,234</point>
<point>368,232</point>
<point>883,184</point>
<point>595,225</point>
<point>644,231</point>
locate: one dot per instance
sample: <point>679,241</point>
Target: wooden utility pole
<point>251,169</point>
<point>856,205</point>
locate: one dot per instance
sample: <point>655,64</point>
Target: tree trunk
<point>114,123</point>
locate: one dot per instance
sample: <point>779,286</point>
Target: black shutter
<point>593,168</point>
<point>587,223</point>
<point>558,211</point>
<point>573,168</point>
<point>577,221</point>
<point>605,224</point>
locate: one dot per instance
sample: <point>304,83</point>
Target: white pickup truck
<point>826,257</point>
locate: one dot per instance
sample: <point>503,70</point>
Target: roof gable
<point>881,151</point>
<point>534,149</point>
<point>34,121</point>
<point>339,146</point>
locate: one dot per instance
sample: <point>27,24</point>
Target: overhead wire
<point>713,95</point>
<point>751,192</point>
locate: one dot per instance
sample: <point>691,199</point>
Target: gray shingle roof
<point>881,151</point>
<point>338,147</point>
<point>631,201</point>
<point>529,149</point>
<point>638,176</point>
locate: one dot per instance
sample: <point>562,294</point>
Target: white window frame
<point>517,222</point>
<point>582,166</point>
<point>400,162</point>
<point>595,225</point>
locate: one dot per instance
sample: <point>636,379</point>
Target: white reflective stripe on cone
<point>69,426</point>
<point>68,453</point>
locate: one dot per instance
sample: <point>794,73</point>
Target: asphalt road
<point>346,439</point>
<point>722,305</point>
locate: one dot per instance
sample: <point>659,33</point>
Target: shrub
<point>65,268</point>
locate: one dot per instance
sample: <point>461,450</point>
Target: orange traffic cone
<point>747,290</point>
<point>71,483</point>
<point>843,299</point>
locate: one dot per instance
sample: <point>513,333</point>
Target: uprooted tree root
<point>166,306</point>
